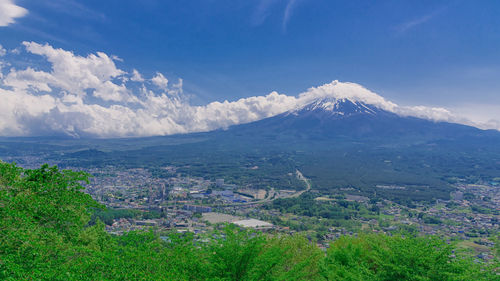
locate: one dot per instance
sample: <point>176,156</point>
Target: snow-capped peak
<point>333,95</point>
<point>342,107</point>
<point>329,94</point>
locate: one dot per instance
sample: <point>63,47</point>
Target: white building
<point>253,223</point>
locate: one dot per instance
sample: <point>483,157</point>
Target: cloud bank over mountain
<point>90,96</point>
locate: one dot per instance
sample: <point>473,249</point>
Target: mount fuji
<point>346,117</point>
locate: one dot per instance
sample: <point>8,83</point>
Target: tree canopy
<point>45,234</point>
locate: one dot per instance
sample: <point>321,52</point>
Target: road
<point>300,176</point>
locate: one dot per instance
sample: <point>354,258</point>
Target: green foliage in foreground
<point>45,235</point>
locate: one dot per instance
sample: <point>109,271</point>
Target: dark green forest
<point>46,234</point>
<point>415,169</point>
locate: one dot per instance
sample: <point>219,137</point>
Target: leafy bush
<point>381,257</point>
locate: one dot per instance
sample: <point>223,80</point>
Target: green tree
<point>381,257</point>
<point>45,234</point>
<point>43,212</point>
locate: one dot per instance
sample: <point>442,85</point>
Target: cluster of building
<point>180,201</point>
<point>196,204</point>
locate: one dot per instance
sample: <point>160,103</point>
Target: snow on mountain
<point>331,117</point>
<point>343,107</point>
<point>338,97</point>
<point>344,91</point>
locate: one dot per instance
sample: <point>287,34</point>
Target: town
<point>198,205</point>
<point>137,199</point>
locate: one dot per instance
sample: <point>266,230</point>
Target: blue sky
<point>433,53</point>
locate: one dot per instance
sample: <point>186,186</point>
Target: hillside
<point>45,235</point>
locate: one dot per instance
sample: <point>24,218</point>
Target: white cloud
<point>287,14</point>
<point>16,51</point>
<point>116,58</point>
<point>136,76</point>
<point>72,73</point>
<point>262,11</point>
<point>403,27</point>
<point>2,63</point>
<point>431,113</point>
<point>80,95</point>
<point>89,95</point>
<point>490,124</point>
<point>484,116</point>
<point>160,81</point>
<point>10,11</point>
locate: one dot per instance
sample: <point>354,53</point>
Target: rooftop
<point>253,223</point>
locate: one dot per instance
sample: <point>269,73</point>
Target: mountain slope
<point>330,118</point>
